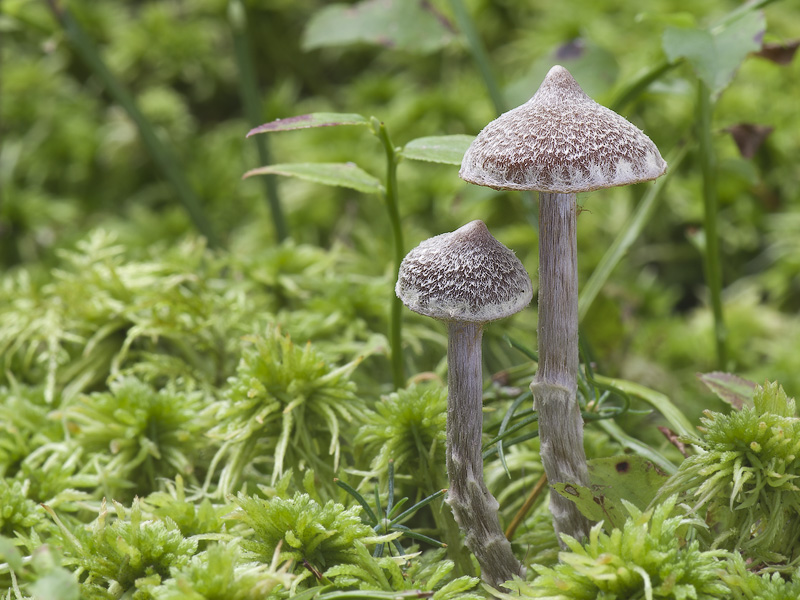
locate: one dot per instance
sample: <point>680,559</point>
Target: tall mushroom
<point>467,278</point>
<point>559,143</point>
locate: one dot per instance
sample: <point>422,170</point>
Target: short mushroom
<point>559,143</point>
<point>467,278</point>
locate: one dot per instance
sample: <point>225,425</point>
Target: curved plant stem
<point>248,87</point>
<point>629,233</point>
<point>391,197</point>
<point>637,86</point>
<point>161,154</point>
<point>708,166</point>
<point>467,27</point>
<point>526,506</point>
<point>474,507</point>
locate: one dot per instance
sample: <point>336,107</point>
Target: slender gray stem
<point>555,385</point>
<point>474,507</point>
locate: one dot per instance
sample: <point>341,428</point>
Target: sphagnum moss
<point>650,557</point>
<point>746,477</point>
<point>124,551</point>
<point>285,402</point>
<point>137,435</point>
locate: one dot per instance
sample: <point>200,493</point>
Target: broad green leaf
<point>447,149</point>
<point>628,477</point>
<point>338,174</point>
<point>731,389</point>
<point>409,25</point>
<point>10,554</point>
<point>310,120</point>
<point>715,54</point>
<point>58,584</point>
<point>594,507</point>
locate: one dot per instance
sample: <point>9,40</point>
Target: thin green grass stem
<point>657,400</point>
<point>467,26</point>
<point>391,198</point>
<point>637,446</point>
<point>708,168</point>
<point>627,236</point>
<point>162,155</point>
<point>249,90</point>
<point>637,86</point>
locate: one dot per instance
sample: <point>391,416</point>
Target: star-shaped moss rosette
<point>746,477</point>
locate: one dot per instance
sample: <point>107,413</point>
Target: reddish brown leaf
<point>673,439</point>
<point>749,137</point>
<point>781,54</point>
<point>729,388</point>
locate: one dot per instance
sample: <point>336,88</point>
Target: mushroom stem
<point>555,385</point>
<point>474,507</point>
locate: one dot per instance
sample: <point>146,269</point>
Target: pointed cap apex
<point>464,275</point>
<point>560,141</point>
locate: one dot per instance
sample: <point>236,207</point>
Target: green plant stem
<point>248,88</point>
<point>161,154</point>
<point>629,234</point>
<point>391,197</point>
<point>708,167</point>
<point>657,400</point>
<point>467,26</point>
<point>637,86</point>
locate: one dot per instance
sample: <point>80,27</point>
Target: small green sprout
<point>220,574</point>
<point>391,519</point>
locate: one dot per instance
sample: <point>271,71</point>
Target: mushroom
<point>467,279</point>
<point>559,143</point>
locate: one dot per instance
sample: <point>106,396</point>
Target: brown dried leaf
<point>779,53</point>
<point>749,137</point>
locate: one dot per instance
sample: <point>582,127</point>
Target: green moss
<point>745,477</point>
<point>650,557</point>
<point>285,402</point>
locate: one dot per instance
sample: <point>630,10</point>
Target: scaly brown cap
<point>465,275</point>
<point>560,141</point>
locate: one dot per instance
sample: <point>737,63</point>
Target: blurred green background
<point>72,159</point>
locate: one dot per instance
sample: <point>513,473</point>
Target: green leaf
<point>447,149</point>
<point>631,477</point>
<point>310,120</point>
<point>59,584</point>
<point>628,477</point>
<point>10,554</point>
<point>408,25</point>
<point>715,54</point>
<point>593,506</point>
<point>338,174</point>
<point>731,389</point>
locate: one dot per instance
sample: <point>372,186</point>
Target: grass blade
<point>629,234</point>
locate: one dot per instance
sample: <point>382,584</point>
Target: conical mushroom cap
<point>560,141</point>
<point>465,275</point>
